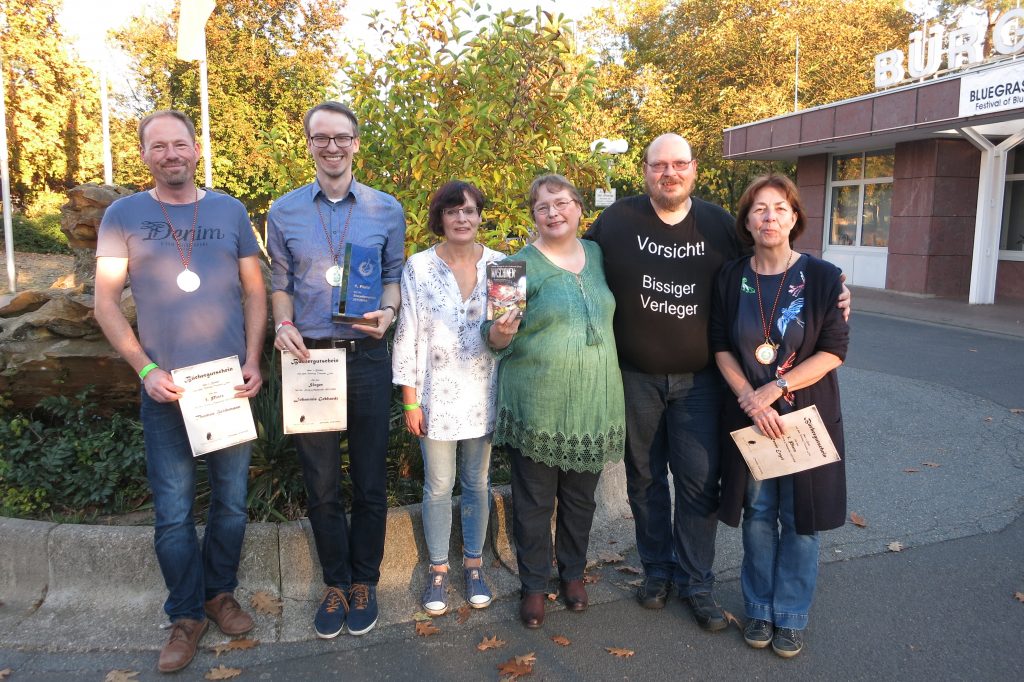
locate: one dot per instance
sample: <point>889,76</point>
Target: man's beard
<point>670,202</point>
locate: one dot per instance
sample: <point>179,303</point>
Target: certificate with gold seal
<point>314,393</point>
<point>214,418</point>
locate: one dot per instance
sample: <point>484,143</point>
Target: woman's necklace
<point>768,351</point>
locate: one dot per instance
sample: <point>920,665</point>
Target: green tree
<point>52,105</point>
<point>269,61</point>
<point>700,66</point>
<point>496,106</point>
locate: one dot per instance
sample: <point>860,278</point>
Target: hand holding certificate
<point>214,418</point>
<point>805,445</point>
<point>314,393</point>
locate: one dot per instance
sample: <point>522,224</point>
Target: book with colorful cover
<point>506,287</point>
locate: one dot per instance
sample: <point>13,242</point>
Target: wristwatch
<point>394,313</point>
<point>784,385</point>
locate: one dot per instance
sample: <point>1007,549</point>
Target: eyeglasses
<point>559,206</point>
<point>662,166</point>
<point>468,211</point>
<point>322,141</point>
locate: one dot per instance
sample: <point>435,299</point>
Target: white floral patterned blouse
<point>439,349</point>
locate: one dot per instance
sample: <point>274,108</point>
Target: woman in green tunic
<point>560,404</point>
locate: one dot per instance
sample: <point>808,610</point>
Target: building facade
<point>917,189</point>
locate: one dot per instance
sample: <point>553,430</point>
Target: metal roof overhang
<point>878,120</point>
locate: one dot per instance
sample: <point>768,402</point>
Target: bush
<point>38,235</point>
<point>66,459</point>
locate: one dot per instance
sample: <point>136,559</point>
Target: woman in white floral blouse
<point>447,376</point>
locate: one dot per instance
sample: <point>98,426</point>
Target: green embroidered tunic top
<point>560,396</point>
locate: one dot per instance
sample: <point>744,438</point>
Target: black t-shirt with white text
<point>662,276</point>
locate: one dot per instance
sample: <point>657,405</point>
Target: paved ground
<point>939,391</point>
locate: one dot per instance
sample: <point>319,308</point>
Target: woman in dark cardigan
<point>778,337</point>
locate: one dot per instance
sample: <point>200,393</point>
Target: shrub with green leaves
<point>66,458</point>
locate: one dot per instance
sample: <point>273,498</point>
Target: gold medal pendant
<point>333,276</point>
<point>766,353</point>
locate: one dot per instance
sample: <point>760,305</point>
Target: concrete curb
<point>82,587</point>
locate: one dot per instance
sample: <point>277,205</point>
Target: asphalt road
<point>939,610</point>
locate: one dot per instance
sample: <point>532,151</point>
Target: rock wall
<point>50,342</point>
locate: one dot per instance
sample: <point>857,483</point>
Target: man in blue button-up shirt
<point>307,231</point>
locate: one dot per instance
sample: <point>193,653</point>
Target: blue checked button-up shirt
<point>300,255</point>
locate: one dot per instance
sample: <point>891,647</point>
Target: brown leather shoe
<point>575,595</point>
<point>182,644</point>
<point>226,612</point>
<point>531,610</point>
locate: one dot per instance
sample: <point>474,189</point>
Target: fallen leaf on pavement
<point>421,616</point>
<point>1017,410</point>
<point>931,465</point>
<point>988,419</point>
<point>462,615</point>
<point>561,640</point>
<point>222,673</point>
<point>729,618</point>
<point>426,628</point>
<point>895,546</point>
<point>591,578</point>
<point>1019,596</point>
<point>264,602</point>
<point>7,671</point>
<point>496,564</point>
<point>858,520</point>
<point>234,645</point>
<point>620,652</point>
<point>112,676</point>
<point>910,470</point>
<point>613,542</point>
<point>636,583</point>
<point>629,569</point>
<point>517,667</point>
<point>491,642</point>
<point>610,557</point>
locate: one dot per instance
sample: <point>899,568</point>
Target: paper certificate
<point>805,445</point>
<point>314,393</point>
<point>214,418</point>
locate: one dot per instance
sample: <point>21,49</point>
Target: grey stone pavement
<point>935,458</point>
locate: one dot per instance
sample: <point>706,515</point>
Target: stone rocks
<point>80,221</point>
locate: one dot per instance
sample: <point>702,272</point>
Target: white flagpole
<point>204,103</point>
<point>5,181</point>
<point>108,164</point>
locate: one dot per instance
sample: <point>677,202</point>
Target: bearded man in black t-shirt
<point>662,251</point>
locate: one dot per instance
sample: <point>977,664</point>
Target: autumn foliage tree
<point>460,92</point>
<point>699,66</point>
<point>52,105</point>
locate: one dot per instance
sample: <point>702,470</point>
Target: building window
<point>860,199</point>
<point>1011,236</point>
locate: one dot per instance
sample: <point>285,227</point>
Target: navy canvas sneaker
<point>330,617</point>
<point>362,614</point>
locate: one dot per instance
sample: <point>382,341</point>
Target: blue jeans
<point>672,424</point>
<point>535,488</point>
<point>438,481</point>
<point>193,575</point>
<point>780,567</point>
<point>353,554</point>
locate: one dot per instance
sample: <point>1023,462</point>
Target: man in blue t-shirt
<point>309,231</point>
<point>199,295</point>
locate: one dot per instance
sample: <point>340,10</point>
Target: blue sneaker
<point>362,615</point>
<point>477,593</point>
<point>330,617</point>
<point>435,595</point>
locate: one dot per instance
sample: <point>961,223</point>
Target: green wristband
<point>410,407</point>
<point>147,369</point>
